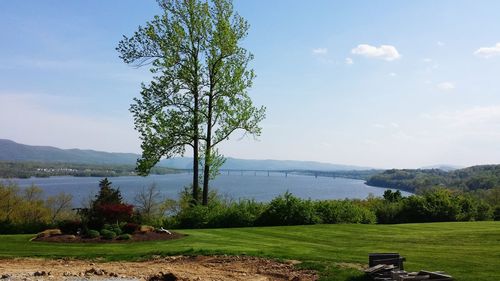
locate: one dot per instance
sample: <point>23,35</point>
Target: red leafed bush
<point>130,228</point>
<point>116,212</point>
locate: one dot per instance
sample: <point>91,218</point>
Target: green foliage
<point>469,179</point>
<point>106,208</point>
<point>434,205</point>
<point>199,90</point>
<point>113,227</point>
<point>25,210</point>
<point>107,194</point>
<point>197,216</point>
<point>239,214</point>
<point>332,211</point>
<point>392,196</point>
<point>93,233</point>
<point>496,213</point>
<point>108,234</point>
<point>289,210</point>
<point>125,236</point>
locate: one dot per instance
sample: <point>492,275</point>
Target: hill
<point>11,151</point>
<point>252,164</point>
<point>471,178</point>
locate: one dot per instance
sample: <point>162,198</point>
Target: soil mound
<point>147,236</point>
<point>210,268</point>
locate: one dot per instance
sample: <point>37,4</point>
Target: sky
<point>385,84</point>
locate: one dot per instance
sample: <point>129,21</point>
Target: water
<point>260,187</point>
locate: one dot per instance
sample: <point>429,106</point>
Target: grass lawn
<point>469,251</point>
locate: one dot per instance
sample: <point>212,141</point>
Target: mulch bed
<point>148,236</point>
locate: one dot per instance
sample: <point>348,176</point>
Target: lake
<point>260,187</point>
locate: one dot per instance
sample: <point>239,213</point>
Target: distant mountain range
<point>12,151</point>
<point>247,164</point>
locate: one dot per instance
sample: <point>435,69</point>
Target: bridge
<point>260,172</point>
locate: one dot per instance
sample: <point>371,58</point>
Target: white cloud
<point>386,52</point>
<point>446,86</point>
<point>440,44</point>
<point>349,61</point>
<point>393,74</point>
<point>320,51</point>
<point>488,52</point>
<point>427,60</point>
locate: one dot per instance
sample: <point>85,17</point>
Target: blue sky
<point>373,83</point>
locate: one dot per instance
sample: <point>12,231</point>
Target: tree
<point>168,114</point>
<point>198,92</point>
<point>107,194</point>
<point>32,209</point>
<point>148,202</point>
<point>228,106</point>
<point>59,205</point>
<point>107,207</point>
<point>10,200</point>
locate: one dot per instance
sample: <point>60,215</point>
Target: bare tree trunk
<point>195,151</point>
<point>208,149</point>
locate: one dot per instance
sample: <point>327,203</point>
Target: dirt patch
<point>148,236</point>
<point>210,268</point>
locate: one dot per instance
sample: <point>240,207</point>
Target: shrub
<point>115,212</point>
<point>343,212</point>
<point>239,214</point>
<point>289,210</point>
<point>108,234</point>
<point>113,227</point>
<point>496,213</point>
<point>194,217</point>
<point>467,208</point>
<point>93,233</point>
<point>124,237</point>
<point>130,228</point>
<point>484,211</point>
<point>70,226</point>
<point>9,227</point>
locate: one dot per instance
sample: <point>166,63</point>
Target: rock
<point>5,276</point>
<point>48,233</point>
<point>40,273</point>
<point>95,271</point>
<point>163,277</point>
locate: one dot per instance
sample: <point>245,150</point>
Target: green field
<point>468,251</point>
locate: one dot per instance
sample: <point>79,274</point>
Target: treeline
<point>468,179</point>
<point>435,205</point>
<point>24,210</point>
<point>39,169</point>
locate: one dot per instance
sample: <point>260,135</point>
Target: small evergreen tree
<point>107,208</point>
